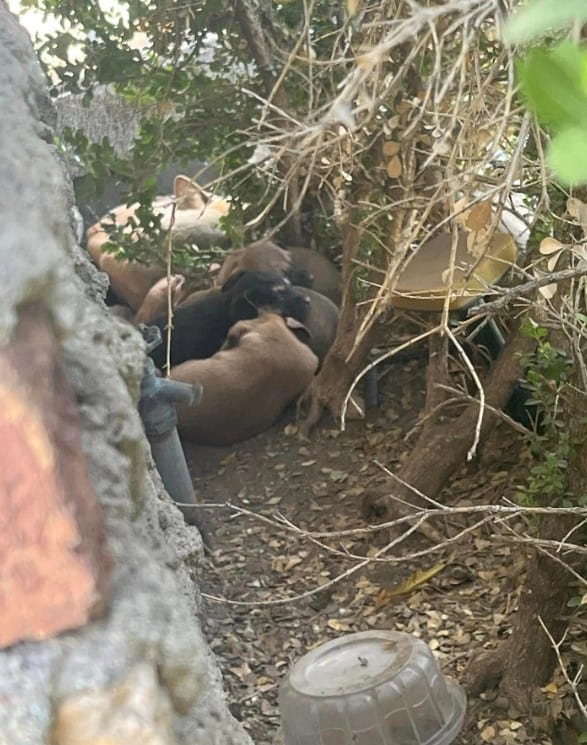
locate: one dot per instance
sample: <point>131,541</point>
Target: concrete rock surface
<point>146,651</point>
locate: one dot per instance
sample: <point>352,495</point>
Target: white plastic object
<point>370,688</point>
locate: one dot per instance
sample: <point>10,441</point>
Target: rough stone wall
<point>141,671</point>
<point>104,115</point>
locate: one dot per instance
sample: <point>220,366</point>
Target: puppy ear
<point>241,308</point>
<point>231,281</point>
<point>302,332</point>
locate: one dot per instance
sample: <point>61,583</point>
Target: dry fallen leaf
<point>578,209</point>
<point>549,246</point>
<point>548,291</point>
<point>340,625</point>
<point>479,216</point>
<point>419,577</point>
<point>580,251</point>
<point>230,458</point>
<point>477,242</point>
<point>353,7</point>
<point>391,148</point>
<point>369,59</point>
<point>488,734</point>
<point>242,671</point>
<point>553,261</point>
<point>550,688</point>
<point>394,167</point>
<point>574,207</point>
<point>459,208</point>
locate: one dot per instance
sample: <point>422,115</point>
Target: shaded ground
<point>320,486</point>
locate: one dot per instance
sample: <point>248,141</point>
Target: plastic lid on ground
<point>370,688</point>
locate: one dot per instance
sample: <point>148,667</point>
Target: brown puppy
<point>248,383</point>
<point>155,302</point>
<point>198,295</point>
<point>321,321</point>
<point>254,257</point>
<point>301,265</point>
<point>327,279</point>
<point>196,220</point>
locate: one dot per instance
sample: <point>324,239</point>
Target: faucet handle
<point>151,335</point>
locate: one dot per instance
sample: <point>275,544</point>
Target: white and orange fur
<point>196,220</point>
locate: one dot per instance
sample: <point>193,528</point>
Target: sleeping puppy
<point>200,328</point>
<point>261,368</point>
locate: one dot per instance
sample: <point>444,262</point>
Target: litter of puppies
<point>254,340</point>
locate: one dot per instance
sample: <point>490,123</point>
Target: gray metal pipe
<point>171,463</point>
<point>371,388</point>
<point>157,410</point>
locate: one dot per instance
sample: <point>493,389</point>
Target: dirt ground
<point>272,592</point>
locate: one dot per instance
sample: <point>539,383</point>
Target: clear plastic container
<point>370,688</point>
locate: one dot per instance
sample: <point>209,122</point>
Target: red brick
<point>54,561</point>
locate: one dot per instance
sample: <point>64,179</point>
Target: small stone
<point>136,710</point>
<point>488,734</point>
<point>55,567</point>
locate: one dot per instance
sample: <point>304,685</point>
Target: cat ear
<point>189,194</point>
<point>182,185</point>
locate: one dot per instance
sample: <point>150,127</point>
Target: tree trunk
<point>341,365</point>
<point>250,24</point>
<point>444,442</point>
<point>527,659</point>
<point>329,388</point>
<point>545,595</point>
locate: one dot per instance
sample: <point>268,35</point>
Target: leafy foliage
<point>201,93</point>
<point>547,377</point>
<point>554,84</point>
<point>544,16</point>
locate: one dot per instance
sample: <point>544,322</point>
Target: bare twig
<point>513,294</point>
<point>573,682</point>
<point>169,268</point>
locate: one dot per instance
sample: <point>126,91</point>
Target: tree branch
<point>251,28</point>
<point>511,294</point>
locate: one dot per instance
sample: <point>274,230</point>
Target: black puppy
<point>200,329</point>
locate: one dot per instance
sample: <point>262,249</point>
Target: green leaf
<point>541,16</point>
<point>554,83</point>
<point>568,155</point>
